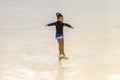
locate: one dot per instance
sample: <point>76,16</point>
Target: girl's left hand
<point>72,27</point>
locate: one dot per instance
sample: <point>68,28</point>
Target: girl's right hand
<point>46,25</point>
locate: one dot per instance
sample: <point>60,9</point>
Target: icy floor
<point>28,50</point>
<point>28,57</point>
<point>36,66</point>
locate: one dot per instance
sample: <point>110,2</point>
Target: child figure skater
<point>59,34</point>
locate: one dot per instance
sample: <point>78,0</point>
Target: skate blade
<point>63,58</point>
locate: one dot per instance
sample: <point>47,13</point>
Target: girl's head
<point>59,17</point>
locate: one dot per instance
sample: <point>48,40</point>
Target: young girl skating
<point>59,34</point>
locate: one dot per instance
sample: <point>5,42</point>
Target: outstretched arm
<point>51,24</point>
<point>68,25</point>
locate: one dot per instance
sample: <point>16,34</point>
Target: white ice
<point>29,51</point>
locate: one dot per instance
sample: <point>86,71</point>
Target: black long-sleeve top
<point>59,26</point>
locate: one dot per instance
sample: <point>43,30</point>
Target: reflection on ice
<point>113,77</point>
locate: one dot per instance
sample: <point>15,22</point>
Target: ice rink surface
<point>29,51</point>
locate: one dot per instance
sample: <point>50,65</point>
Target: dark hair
<point>59,15</point>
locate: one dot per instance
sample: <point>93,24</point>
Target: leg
<point>61,49</point>
<point>61,46</point>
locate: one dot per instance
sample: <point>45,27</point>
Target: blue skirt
<point>59,36</point>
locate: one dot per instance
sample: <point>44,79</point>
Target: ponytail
<point>59,15</point>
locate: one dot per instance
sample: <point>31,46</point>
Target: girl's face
<point>60,19</point>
